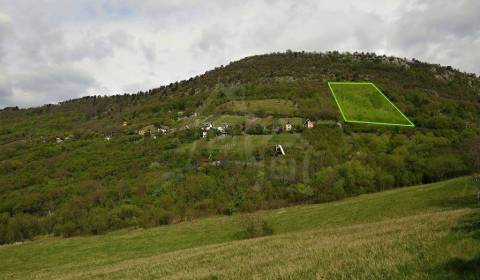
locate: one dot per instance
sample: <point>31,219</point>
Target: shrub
<point>253,226</point>
<point>22,227</point>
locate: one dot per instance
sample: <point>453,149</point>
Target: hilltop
<point>100,163</point>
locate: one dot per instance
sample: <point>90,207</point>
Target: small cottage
<point>164,129</point>
<point>222,128</point>
<point>207,126</point>
<point>308,124</point>
<point>279,151</point>
<point>150,129</point>
<point>288,127</point>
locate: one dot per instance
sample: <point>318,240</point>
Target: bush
<point>18,228</point>
<point>154,217</point>
<point>253,226</point>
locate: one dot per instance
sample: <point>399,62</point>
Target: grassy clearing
<point>263,106</point>
<point>241,147</point>
<point>387,249</point>
<point>252,121</point>
<point>363,103</point>
<point>412,232</point>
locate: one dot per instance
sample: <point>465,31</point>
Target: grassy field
<point>241,147</point>
<point>251,121</point>
<point>362,102</point>
<point>263,106</point>
<point>422,232</point>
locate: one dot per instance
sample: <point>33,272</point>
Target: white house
<point>288,126</point>
<point>222,128</point>
<point>164,129</point>
<point>308,124</point>
<point>279,151</point>
<point>207,126</point>
<point>149,129</point>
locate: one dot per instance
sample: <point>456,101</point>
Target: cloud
<point>441,31</point>
<point>52,84</point>
<point>56,50</point>
<point>5,86</point>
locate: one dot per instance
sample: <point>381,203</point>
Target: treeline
<point>325,164</point>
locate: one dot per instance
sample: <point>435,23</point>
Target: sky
<point>55,50</point>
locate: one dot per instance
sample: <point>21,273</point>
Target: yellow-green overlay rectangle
<point>365,103</point>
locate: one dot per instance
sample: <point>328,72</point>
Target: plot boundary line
<point>411,124</point>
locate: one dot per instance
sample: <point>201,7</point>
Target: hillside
<point>422,232</point>
<point>97,164</point>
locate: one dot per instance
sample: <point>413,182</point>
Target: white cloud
<point>5,86</point>
<point>55,50</point>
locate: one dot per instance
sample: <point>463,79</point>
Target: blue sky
<point>56,50</point>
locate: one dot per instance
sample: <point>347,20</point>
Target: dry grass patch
<point>388,249</point>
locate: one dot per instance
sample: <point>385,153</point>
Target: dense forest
<point>99,163</point>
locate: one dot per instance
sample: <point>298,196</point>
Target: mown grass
<point>263,106</point>
<point>417,232</point>
<point>251,121</point>
<point>362,102</point>
<point>241,147</point>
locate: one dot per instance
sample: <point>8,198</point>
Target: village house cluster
<point>221,129</point>
<point>153,131</point>
<point>206,128</point>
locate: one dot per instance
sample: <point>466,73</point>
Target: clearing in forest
<point>365,103</point>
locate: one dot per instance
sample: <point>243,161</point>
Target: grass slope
<point>266,107</point>
<point>251,121</point>
<point>364,103</point>
<point>240,147</point>
<point>417,232</point>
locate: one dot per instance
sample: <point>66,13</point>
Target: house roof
<point>279,148</point>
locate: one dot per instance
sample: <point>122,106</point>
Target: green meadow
<point>423,232</point>
<point>364,103</point>
<point>264,107</point>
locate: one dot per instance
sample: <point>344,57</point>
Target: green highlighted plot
<point>365,103</point>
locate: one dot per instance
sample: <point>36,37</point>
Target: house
<point>222,128</point>
<point>207,126</point>
<point>124,123</point>
<point>58,140</point>
<point>288,127</point>
<point>149,129</point>
<point>308,124</point>
<point>164,129</point>
<point>279,151</point>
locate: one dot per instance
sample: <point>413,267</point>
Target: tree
<point>476,181</point>
<point>474,151</point>
<point>328,185</point>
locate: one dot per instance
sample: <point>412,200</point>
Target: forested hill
<point>95,164</point>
